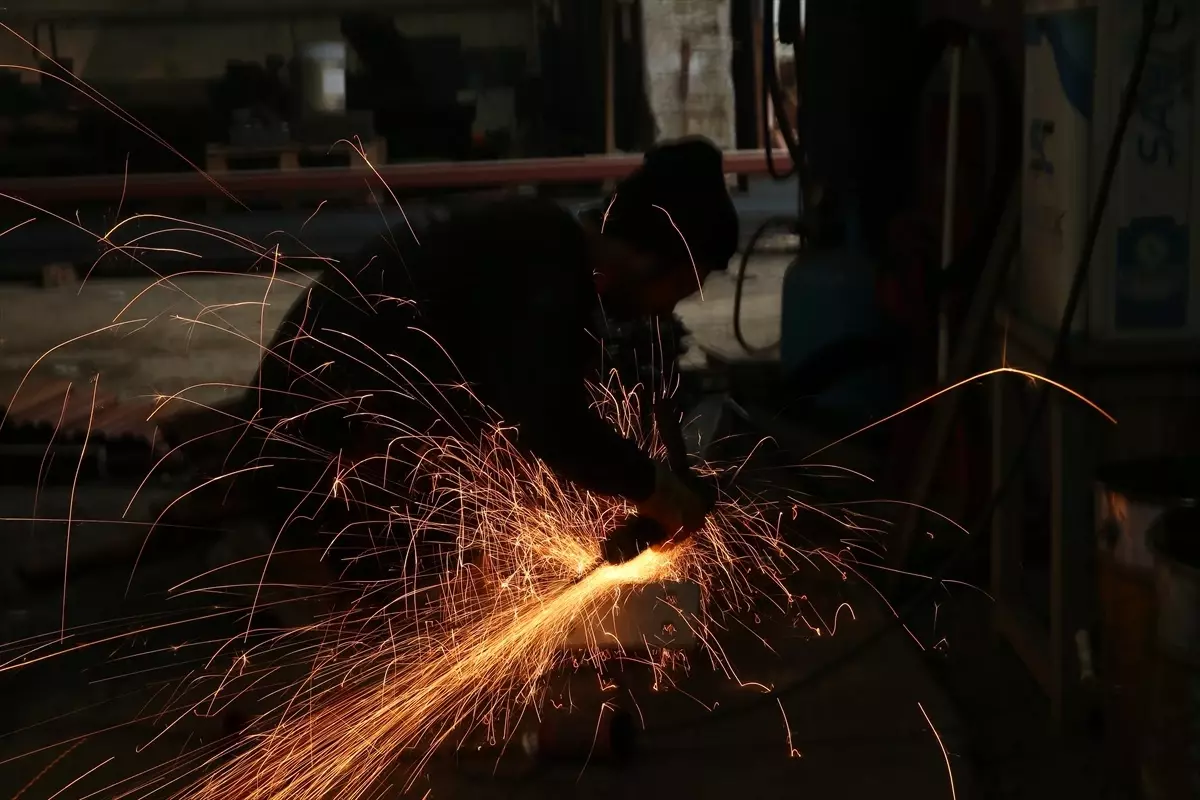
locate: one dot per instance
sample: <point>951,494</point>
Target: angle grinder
<point>637,533</point>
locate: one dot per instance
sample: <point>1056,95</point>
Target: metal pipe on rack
<point>430,175</point>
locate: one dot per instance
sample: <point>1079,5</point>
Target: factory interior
<point>928,425</point>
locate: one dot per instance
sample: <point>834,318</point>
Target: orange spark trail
<point>1033,376</point>
<point>787,727</point>
<point>71,505</point>
<point>942,747</point>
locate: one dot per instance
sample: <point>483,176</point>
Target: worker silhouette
<point>491,313</point>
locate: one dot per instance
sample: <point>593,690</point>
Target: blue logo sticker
<point>1152,274</point>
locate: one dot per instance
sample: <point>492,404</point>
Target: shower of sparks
<point>445,647</point>
<point>464,647</point>
<point>453,643</point>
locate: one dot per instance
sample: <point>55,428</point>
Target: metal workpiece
<point>660,616</point>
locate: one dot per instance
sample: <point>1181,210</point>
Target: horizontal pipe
<point>432,175</point>
<point>336,233</point>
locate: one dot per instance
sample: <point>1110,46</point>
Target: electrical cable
<point>771,97</point>
<point>1057,360</point>
<point>740,280</point>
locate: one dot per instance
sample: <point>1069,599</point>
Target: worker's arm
<point>537,380</point>
<point>514,307</point>
<point>581,447</point>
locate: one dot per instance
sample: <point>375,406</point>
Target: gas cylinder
<point>828,297</point>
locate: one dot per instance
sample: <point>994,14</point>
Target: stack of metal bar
<point>58,433</point>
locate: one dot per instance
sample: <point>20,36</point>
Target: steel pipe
<point>432,175</point>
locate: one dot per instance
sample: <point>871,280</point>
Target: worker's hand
<point>675,506</point>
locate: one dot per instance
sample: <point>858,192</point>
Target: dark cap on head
<point>676,205</point>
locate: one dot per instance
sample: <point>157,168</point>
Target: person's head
<point>666,227</point>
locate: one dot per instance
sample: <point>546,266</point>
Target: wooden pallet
<point>68,405</point>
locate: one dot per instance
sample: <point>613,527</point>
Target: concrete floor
<point>859,731</point>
